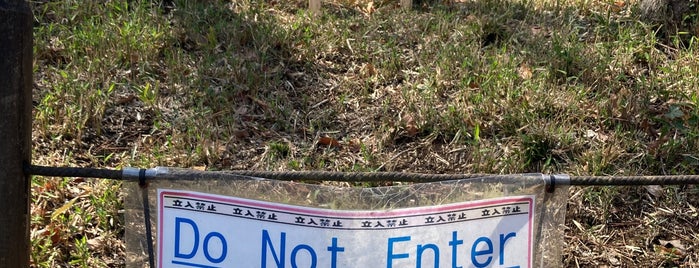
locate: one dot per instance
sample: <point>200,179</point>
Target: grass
<point>491,86</point>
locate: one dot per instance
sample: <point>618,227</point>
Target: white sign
<point>205,230</point>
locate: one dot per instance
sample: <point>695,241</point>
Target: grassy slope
<point>580,87</point>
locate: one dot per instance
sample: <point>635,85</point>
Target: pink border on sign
<point>337,213</point>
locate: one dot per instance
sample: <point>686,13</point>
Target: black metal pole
<point>15,130</point>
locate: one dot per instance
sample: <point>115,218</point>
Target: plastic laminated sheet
<point>236,221</point>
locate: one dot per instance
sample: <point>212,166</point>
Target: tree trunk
<point>671,17</point>
<point>667,11</point>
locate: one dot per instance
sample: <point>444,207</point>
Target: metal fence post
<point>16,43</point>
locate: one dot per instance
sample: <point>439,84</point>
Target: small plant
<point>147,94</point>
<point>278,150</point>
<point>538,151</point>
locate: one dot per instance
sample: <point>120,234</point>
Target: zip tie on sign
<point>140,174</point>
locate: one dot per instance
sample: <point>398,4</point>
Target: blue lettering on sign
<point>421,249</point>
<point>183,256</point>
<point>334,249</point>
<point>279,257</point>
<point>487,251</point>
<point>481,252</point>
<point>279,260</point>
<point>455,242</point>
<point>390,256</point>
<point>311,253</point>
<point>503,239</point>
<point>224,247</point>
<point>178,222</point>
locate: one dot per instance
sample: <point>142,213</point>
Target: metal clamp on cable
<point>562,179</point>
<point>142,178</point>
<point>129,173</point>
<point>553,180</point>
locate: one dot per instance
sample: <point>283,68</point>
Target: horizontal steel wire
<point>351,176</point>
<point>635,180</point>
<point>74,172</point>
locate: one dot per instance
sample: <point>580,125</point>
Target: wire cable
<point>188,174</point>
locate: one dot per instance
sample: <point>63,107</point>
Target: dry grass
<point>490,86</point>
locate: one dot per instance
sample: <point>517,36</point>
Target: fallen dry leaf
<point>524,71</point>
<point>59,211</point>
<point>53,232</point>
<point>674,252</point>
<point>125,100</point>
<point>241,134</point>
<point>330,142</point>
<point>410,125</point>
<point>675,243</point>
<point>656,191</point>
<point>473,85</point>
<point>368,70</point>
<point>618,6</point>
<point>411,129</point>
<point>355,145</point>
<point>95,243</point>
<point>369,9</point>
